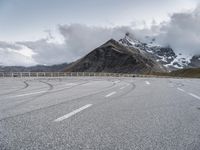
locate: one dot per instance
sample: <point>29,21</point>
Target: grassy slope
<point>195,73</point>
<point>192,73</point>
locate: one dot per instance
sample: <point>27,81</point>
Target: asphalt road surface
<point>99,113</point>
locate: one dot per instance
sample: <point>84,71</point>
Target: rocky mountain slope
<point>128,55</point>
<point>115,57</point>
<point>164,55</point>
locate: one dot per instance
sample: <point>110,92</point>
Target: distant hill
<point>128,55</point>
<point>38,68</point>
<point>189,73</point>
<point>115,57</point>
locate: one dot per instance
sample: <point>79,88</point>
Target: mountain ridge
<point>115,57</point>
<point>134,57</point>
<point>163,54</point>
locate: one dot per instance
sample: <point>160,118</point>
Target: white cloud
<point>46,52</point>
<point>73,41</point>
<point>81,39</point>
<point>14,54</point>
<point>182,32</point>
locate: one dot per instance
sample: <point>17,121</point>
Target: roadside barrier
<point>69,74</point>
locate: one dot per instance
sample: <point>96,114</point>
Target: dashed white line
<point>29,94</point>
<point>147,82</point>
<point>191,94</point>
<point>72,113</point>
<point>195,96</point>
<point>110,94</point>
<point>122,88</point>
<point>116,82</point>
<point>182,90</point>
<point>70,84</point>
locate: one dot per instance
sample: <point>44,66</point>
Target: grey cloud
<point>7,45</point>
<point>80,39</point>
<point>47,53</point>
<point>10,55</point>
<point>182,33</point>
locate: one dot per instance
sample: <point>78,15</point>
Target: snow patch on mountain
<point>164,55</point>
<point>180,62</point>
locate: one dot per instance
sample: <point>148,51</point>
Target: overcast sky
<point>56,31</point>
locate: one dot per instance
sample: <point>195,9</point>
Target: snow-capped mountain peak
<point>128,41</point>
<point>165,55</point>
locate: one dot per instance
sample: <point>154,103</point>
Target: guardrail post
<point>2,74</point>
<point>61,74</point>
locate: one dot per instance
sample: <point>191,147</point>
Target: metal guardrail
<point>68,74</point>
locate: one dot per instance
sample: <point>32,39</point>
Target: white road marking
<point>29,94</point>
<point>116,82</point>
<point>182,90</point>
<point>110,94</point>
<point>122,88</point>
<point>72,113</point>
<point>70,84</point>
<point>147,82</point>
<point>195,96</point>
